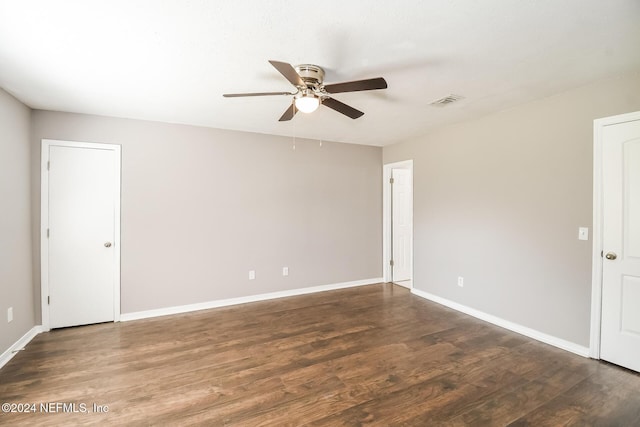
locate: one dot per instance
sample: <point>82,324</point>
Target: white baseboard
<point>523,330</point>
<point>125,317</point>
<point>18,345</point>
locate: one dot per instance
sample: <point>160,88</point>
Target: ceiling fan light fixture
<point>308,79</point>
<point>307,103</point>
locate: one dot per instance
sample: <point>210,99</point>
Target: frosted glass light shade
<point>307,103</point>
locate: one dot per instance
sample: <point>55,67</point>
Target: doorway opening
<point>397,215</point>
<point>615,323</point>
<point>80,233</point>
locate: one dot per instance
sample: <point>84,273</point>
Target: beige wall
<point>16,286</point>
<point>499,201</point>
<point>201,207</point>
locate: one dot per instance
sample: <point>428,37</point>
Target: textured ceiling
<point>171,60</point>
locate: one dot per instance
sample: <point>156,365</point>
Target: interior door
<point>401,223</point>
<point>81,228</point>
<point>620,326</point>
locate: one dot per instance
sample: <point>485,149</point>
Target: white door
<point>620,330</point>
<point>83,207</point>
<point>401,223</point>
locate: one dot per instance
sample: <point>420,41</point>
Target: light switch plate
<point>583,233</point>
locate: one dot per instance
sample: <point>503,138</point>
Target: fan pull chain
<point>294,136</point>
<point>295,132</point>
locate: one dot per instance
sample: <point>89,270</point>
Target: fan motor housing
<point>310,74</point>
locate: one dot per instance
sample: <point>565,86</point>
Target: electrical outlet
<point>285,271</point>
<point>460,281</point>
<point>252,274</point>
<point>9,314</point>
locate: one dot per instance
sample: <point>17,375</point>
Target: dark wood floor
<point>373,355</point>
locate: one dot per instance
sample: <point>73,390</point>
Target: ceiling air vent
<point>449,99</point>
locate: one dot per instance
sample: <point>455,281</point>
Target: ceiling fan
<point>311,91</point>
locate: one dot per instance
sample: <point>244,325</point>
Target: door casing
<point>44,223</point>
<point>596,270</point>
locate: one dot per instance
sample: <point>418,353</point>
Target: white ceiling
<point>171,60</point>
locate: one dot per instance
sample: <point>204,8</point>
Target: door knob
<point>611,255</point>
<point>108,245</point>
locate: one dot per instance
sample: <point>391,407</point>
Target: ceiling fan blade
<point>238,95</point>
<point>357,85</point>
<point>288,72</point>
<point>342,108</point>
<point>288,115</point>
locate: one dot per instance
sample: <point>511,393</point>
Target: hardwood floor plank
<point>372,355</point>
<point>607,397</point>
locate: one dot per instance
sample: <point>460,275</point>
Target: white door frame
<point>596,270</point>
<point>44,223</point>
<point>386,217</point>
